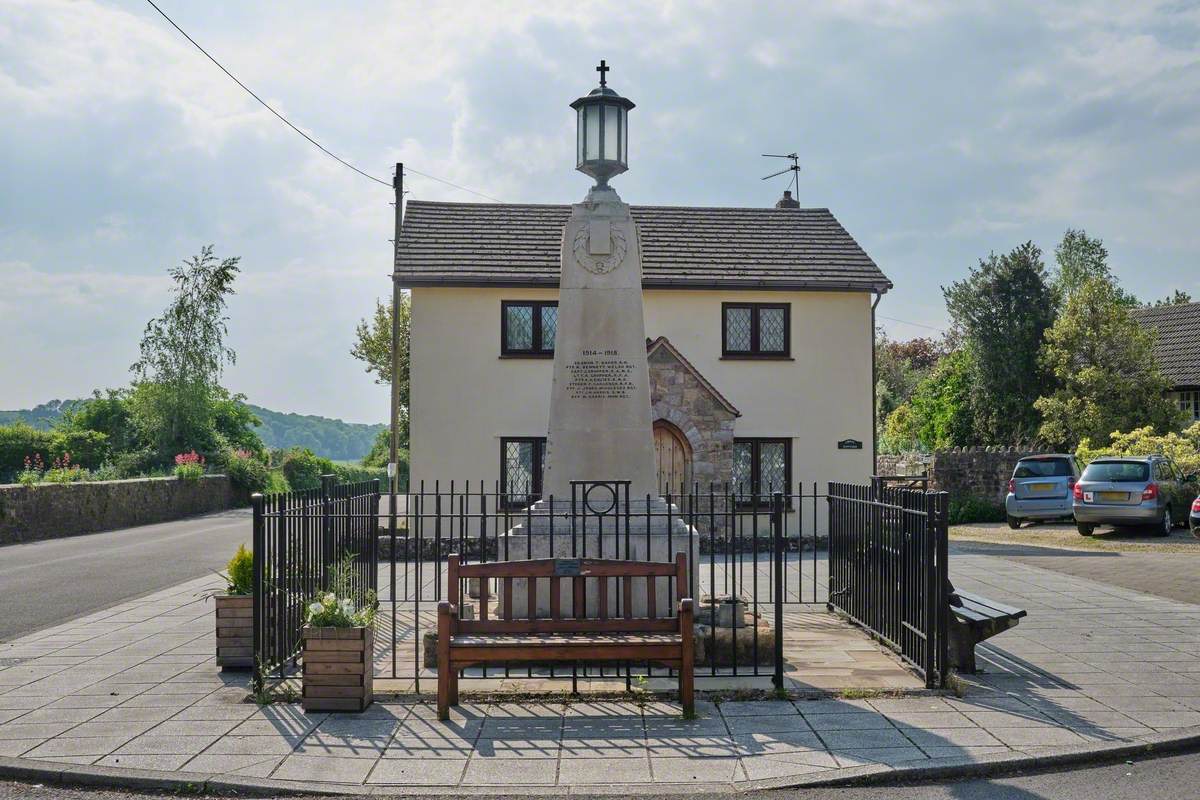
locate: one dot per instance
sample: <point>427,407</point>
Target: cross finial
<point>603,68</point>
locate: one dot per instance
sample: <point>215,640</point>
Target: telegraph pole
<point>394,444</point>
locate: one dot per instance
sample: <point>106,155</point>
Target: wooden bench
<point>973,619</point>
<point>605,637</point>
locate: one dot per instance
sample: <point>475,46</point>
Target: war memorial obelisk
<point>599,465</point>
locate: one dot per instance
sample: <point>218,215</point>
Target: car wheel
<point>1014,522</point>
<point>1165,524</point>
<point>1084,528</point>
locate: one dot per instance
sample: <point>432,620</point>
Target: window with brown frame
<point>756,330</point>
<point>527,328</point>
<point>761,466</point>
<point>521,461</point>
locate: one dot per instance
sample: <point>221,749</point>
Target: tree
<point>1080,257</point>
<point>107,413</point>
<point>1177,298</point>
<point>941,414</point>
<point>183,354</point>
<point>1107,376</point>
<point>1002,310</point>
<point>899,367</point>
<point>373,346</point>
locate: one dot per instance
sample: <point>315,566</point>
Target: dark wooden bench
<point>973,619</point>
<point>604,637</point>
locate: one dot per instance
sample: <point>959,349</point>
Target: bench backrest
<point>626,578</point>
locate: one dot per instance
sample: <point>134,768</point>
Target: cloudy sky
<point>936,132</point>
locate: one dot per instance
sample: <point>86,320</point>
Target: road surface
<point>53,581</point>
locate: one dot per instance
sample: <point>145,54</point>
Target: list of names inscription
<point>599,375</point>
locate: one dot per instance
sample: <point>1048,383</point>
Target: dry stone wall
<point>52,510</point>
<point>961,471</point>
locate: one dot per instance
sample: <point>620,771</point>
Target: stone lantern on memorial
<point>602,131</point>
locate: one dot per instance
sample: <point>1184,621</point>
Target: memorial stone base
<point>636,536</point>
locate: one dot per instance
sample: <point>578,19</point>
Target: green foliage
<point>183,353</point>
<point>1080,258</point>
<point>239,572</point>
<point>346,604</point>
<point>1107,376</point>
<point>1176,298</point>
<point>1003,308</point>
<point>234,422</point>
<point>247,471</point>
<point>972,508</point>
<point>373,346</point>
<point>189,472</point>
<point>276,483</point>
<point>352,473</point>
<point>941,405</point>
<point>303,468</point>
<point>82,449</point>
<point>900,367</point>
<point>332,438</point>
<point>1182,448</point>
<point>18,442</point>
<point>900,431</point>
<point>106,413</point>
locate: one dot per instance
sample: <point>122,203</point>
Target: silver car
<point>1143,490</point>
<point>1040,488</point>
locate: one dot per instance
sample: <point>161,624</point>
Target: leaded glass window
<point>737,331</point>
<point>528,327</point>
<point>521,470</point>
<point>549,326</point>
<point>771,330</point>
<point>761,467</point>
<point>755,330</point>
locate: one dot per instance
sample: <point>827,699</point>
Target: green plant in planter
<point>239,572</point>
<point>343,606</point>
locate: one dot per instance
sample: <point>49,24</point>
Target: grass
<point>1063,536</point>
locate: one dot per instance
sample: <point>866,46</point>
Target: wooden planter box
<point>338,668</point>
<point>235,630</point>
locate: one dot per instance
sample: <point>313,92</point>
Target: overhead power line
<point>917,324</point>
<point>287,122</point>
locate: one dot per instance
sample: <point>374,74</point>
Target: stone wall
<point>962,471</point>
<point>678,396</point>
<point>52,510</point>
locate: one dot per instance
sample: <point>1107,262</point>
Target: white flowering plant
<point>342,606</point>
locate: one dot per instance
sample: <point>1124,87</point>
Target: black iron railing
<point>888,569</point>
<point>298,537</point>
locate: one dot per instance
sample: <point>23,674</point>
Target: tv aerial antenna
<point>794,169</point>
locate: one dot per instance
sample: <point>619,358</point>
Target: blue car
<point>1041,488</point>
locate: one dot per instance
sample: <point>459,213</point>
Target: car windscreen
<point>1042,468</point>
<point>1117,471</point>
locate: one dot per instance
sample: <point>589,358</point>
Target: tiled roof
<point>1178,347</point>
<point>476,244</point>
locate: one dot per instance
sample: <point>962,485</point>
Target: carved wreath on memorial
<point>599,264</point>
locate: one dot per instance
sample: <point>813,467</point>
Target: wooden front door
<point>673,457</point>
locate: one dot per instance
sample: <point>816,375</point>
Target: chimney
<point>787,201</point>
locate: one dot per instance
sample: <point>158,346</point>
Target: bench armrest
<point>447,618</point>
<point>687,612</point>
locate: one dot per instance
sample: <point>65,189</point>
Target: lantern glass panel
<point>611,140</point>
<point>624,136</point>
<point>592,133</point>
<point>579,136</point>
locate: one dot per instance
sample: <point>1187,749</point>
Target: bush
<point>348,473</point>
<point>303,468</point>
<point>276,483</point>
<point>239,572</point>
<point>247,473</point>
<point>87,449</point>
<point>17,442</point>
<point>1182,448</point>
<point>973,508</point>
